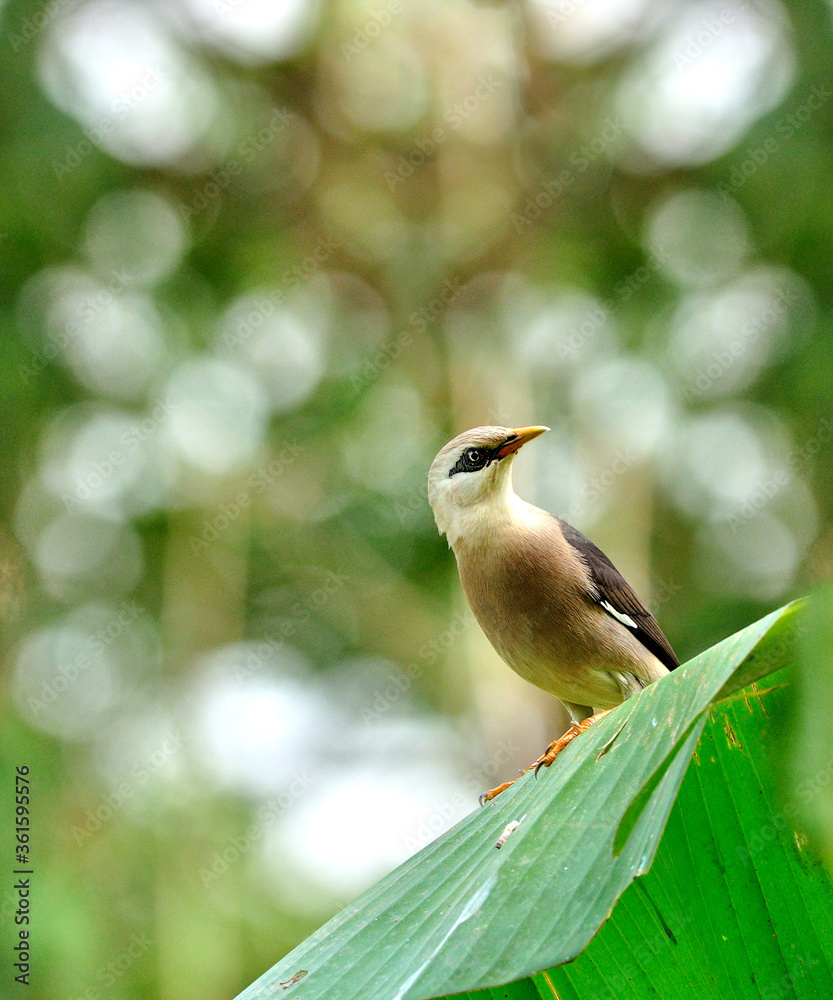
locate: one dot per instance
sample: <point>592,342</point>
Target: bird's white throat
<point>477,523</point>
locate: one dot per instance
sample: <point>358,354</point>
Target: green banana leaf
<point>463,916</point>
<point>811,793</point>
<point>736,903</point>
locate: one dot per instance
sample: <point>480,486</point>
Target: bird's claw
<point>548,756</point>
<point>493,792</point>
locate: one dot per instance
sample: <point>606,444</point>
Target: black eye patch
<point>474,459</point>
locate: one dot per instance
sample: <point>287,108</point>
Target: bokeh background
<point>259,261</point>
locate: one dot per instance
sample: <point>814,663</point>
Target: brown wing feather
<point>615,589</point>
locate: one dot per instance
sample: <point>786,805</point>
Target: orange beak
<point>518,438</point>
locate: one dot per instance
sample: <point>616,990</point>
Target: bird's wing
<point>617,597</point>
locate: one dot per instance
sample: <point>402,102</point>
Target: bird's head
<point>471,474</point>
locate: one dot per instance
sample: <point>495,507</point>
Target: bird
<point>550,602</point>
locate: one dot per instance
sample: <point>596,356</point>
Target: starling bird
<point>551,603</point>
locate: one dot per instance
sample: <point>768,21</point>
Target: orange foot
<point>552,751</point>
<point>555,748</point>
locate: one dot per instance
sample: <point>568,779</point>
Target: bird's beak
<point>518,438</point>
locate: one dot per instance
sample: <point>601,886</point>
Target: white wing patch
<point>618,615</point>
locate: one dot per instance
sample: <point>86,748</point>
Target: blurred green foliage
<point>256,266</point>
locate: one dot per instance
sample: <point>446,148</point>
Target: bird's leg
<point>555,748</point>
<point>488,796</point>
<point>552,751</point>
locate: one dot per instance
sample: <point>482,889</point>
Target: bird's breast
<point>528,590</point>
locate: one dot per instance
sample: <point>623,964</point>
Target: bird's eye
<point>472,460</point>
